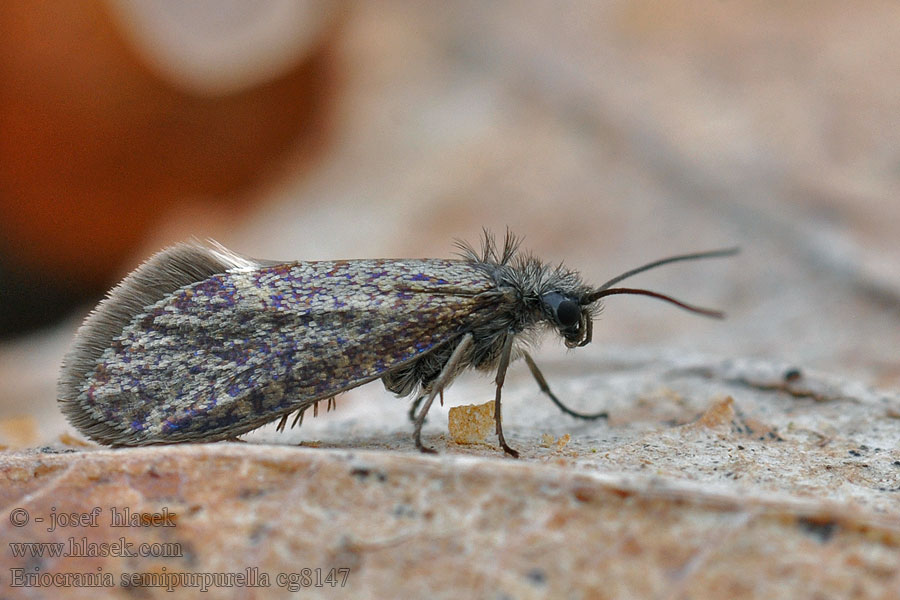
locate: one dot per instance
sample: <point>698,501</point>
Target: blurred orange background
<point>102,144</point>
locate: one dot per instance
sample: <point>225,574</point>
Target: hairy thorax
<point>488,341</point>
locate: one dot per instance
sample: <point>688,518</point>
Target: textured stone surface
<point>471,424</point>
<point>452,526</point>
<point>710,479</point>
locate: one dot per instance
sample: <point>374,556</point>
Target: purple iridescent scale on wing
<point>239,349</point>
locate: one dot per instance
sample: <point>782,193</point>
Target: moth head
<point>572,315</point>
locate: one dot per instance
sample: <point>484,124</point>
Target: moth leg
<point>539,377</point>
<point>298,419</point>
<point>438,384</point>
<point>415,406</point>
<point>282,423</point>
<point>418,402</point>
<point>501,377</point>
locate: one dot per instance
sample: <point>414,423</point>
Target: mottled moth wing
<point>238,349</point>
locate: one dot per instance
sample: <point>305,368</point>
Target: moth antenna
<point>659,263</point>
<point>706,312</point>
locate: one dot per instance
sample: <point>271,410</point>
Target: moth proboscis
<point>202,344</point>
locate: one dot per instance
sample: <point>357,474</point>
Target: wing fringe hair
<point>161,275</point>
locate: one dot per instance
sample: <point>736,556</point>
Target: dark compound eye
<point>568,313</point>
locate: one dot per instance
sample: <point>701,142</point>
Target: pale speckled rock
<point>452,526</point>
<point>471,424</point>
<point>711,479</point>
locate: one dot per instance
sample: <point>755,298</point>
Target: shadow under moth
<point>202,344</point>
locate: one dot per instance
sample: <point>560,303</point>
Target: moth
<point>200,343</point>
